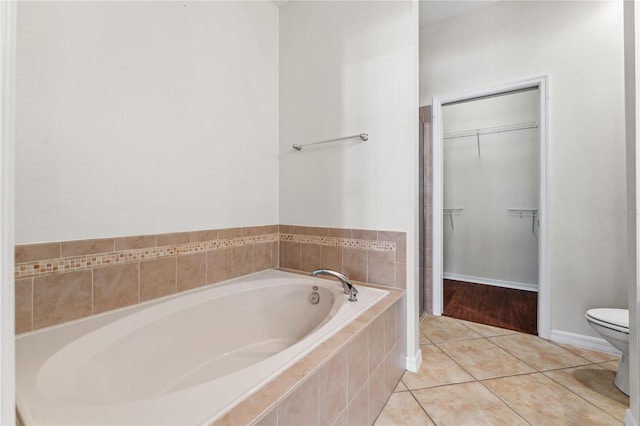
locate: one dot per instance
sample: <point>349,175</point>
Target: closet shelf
<point>491,130</point>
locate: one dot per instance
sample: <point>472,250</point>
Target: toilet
<point>613,326</point>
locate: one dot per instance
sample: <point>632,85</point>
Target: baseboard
<point>413,363</point>
<point>582,341</point>
<point>629,420</point>
<point>490,281</point>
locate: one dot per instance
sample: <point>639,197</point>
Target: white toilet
<point>613,326</point>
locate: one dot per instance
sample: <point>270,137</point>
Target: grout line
<point>578,395</point>
<point>505,402</point>
<point>422,407</point>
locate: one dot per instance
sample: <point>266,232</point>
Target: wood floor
<point>497,306</point>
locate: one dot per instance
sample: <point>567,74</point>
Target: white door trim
<point>544,300</point>
<point>7,161</point>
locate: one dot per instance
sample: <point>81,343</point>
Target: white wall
<point>145,117</point>
<point>580,45</point>
<point>487,244</point>
<point>346,68</point>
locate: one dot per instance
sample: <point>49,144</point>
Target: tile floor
<point>473,374</point>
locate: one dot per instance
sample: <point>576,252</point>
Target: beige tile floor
<point>474,374</point>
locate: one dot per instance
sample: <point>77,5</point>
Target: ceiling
<point>433,12</point>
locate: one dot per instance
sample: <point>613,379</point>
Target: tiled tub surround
<point>376,257</point>
<point>347,379</point>
<point>64,281</point>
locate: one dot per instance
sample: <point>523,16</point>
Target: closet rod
<point>491,130</point>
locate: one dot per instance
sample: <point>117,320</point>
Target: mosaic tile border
<point>340,242</point>
<point>77,263</point>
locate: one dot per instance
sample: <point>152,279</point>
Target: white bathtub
<point>186,359</point>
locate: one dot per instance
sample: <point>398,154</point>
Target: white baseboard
<point>582,341</point>
<point>490,281</point>
<point>629,420</point>
<point>413,363</point>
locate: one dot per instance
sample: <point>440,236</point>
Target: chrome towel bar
<point>363,136</point>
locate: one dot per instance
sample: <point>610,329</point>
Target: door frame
<point>7,162</point>
<point>542,84</point>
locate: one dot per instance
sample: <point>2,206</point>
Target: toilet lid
<point>618,319</point>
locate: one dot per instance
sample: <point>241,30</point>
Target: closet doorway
<point>489,207</point>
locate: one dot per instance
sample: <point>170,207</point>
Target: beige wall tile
<point>331,257</point>
<point>333,388</point>
<point>275,254</point>
<point>310,257</point>
<point>33,252</point>
<point>24,305</point>
<point>301,407</point>
<point>358,356</point>
<point>391,236</point>
<point>364,234</point>
<point>394,365</point>
<point>218,265</point>
<point>241,260</point>
<point>259,230</point>
<point>135,242</point>
<point>299,230</point>
<point>192,271</point>
<point>173,239</point>
<point>401,250</point>
<point>262,256</point>
<point>157,278</point>
<point>358,408</point>
<point>355,264</point>
<point>339,232</point>
<point>466,404</point>
<point>204,235</point>
<point>381,267</point>
<point>115,286</point>
<point>61,297</point>
<point>269,419</point>
<point>85,247</point>
<point>343,419</point>
<point>284,229</point>
<point>401,276</point>
<point>290,255</point>
<point>320,232</point>
<point>376,342</point>
<point>390,328</point>
<point>377,393</point>
<point>228,233</point>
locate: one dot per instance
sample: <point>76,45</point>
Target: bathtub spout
<point>348,287</point>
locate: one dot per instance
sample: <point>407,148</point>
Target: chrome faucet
<point>348,287</point>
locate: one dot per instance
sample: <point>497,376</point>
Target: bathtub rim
<point>252,410</point>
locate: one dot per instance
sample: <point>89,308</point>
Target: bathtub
<point>184,359</point>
